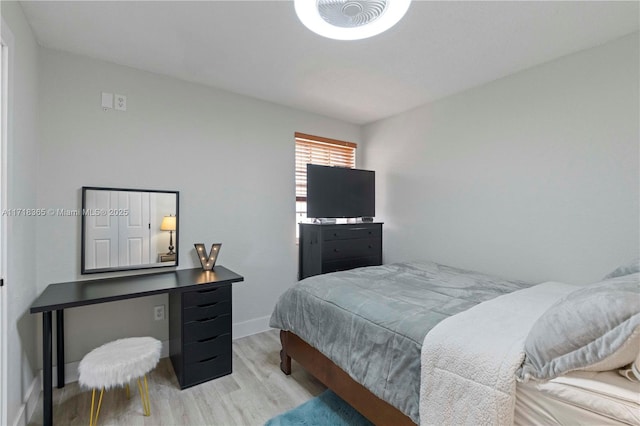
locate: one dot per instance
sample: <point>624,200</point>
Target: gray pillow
<point>596,328</point>
<point>630,268</point>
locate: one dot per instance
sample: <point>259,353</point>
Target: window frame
<point>339,153</point>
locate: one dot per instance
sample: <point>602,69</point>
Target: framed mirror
<point>126,229</point>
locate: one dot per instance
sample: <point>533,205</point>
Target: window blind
<point>321,151</point>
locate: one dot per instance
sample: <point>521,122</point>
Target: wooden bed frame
<point>322,368</point>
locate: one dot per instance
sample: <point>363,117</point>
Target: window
<point>322,151</point>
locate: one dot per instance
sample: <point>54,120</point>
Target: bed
<point>581,397</point>
<point>361,332</point>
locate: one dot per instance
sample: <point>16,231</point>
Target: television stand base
<point>325,221</point>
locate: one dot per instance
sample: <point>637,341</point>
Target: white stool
<point>115,364</point>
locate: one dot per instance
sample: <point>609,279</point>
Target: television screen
<point>340,192</point>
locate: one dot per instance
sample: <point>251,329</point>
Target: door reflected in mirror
<point>124,229</point>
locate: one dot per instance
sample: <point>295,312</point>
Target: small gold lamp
<point>169,224</point>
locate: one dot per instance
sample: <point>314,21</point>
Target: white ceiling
<point>260,49</point>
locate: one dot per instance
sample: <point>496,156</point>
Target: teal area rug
<point>327,409</point>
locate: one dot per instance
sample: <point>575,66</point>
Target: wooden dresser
<point>327,248</point>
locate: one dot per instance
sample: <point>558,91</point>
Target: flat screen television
<point>334,192</point>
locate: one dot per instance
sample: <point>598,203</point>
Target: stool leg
<point>99,405</point>
<point>146,389</point>
<point>93,398</point>
<point>144,396</point>
<point>127,390</point>
<point>93,422</point>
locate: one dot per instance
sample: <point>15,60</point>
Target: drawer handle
<point>208,339</point>
<point>208,359</point>
<point>370,246</point>
<point>335,234</point>
<point>207,319</point>
<point>208,291</point>
<point>206,305</point>
<point>336,250</point>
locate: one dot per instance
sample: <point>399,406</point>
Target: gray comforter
<point>372,321</point>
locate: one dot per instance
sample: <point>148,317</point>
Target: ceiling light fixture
<point>350,19</point>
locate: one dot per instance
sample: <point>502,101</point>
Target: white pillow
<point>632,267</point>
<point>596,328</point>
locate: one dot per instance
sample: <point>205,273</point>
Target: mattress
<point>371,321</point>
<point>584,398</point>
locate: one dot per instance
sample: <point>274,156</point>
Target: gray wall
<point>230,156</point>
<point>20,289</point>
<point>533,176</point>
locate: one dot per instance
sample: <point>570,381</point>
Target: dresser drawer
<point>205,297</point>
<point>207,310</point>
<point>207,369</point>
<point>351,232</point>
<point>205,349</point>
<point>344,264</point>
<point>207,328</point>
<point>343,249</point>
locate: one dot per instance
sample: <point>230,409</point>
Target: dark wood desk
<point>57,297</point>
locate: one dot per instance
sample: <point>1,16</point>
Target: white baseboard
<point>34,395</point>
<point>164,352</point>
<point>248,328</point>
<point>30,402</point>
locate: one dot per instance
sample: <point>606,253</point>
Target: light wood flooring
<point>256,391</point>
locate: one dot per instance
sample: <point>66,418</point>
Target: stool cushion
<point>117,363</point>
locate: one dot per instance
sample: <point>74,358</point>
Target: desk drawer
<point>204,297</point>
<point>207,369</point>
<point>207,310</point>
<point>351,232</point>
<point>207,328</point>
<point>343,249</point>
<point>203,350</point>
